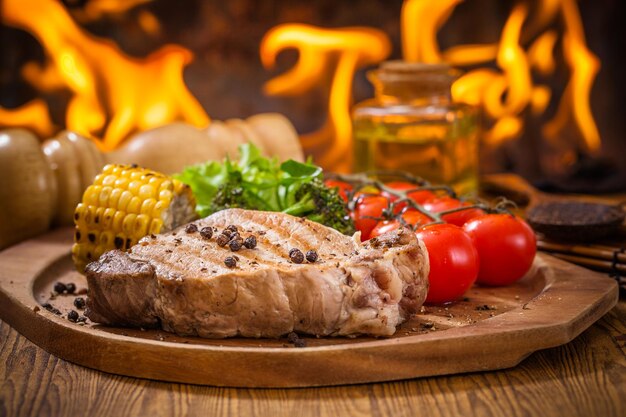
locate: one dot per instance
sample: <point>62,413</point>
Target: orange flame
<point>32,115</point>
<point>113,95</point>
<point>96,9</point>
<point>421,20</point>
<point>505,95</point>
<point>584,65</point>
<point>353,48</point>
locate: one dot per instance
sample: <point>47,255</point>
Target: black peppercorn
<point>223,239</point>
<point>191,228</point>
<point>51,309</point>
<point>296,256</point>
<point>70,288</point>
<point>250,242</point>
<point>235,244</point>
<point>311,256</point>
<point>60,287</point>
<point>72,316</point>
<point>230,262</point>
<point>232,228</point>
<point>79,303</point>
<point>206,232</point>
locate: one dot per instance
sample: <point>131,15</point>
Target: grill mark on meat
<point>194,244</point>
<point>370,290</point>
<point>284,231</point>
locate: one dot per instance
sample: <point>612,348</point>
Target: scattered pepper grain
<point>223,239</point>
<point>311,256</point>
<point>235,244</point>
<point>60,287</point>
<point>79,303</point>
<point>230,262</point>
<point>72,316</point>
<point>206,232</point>
<point>296,256</point>
<point>250,242</point>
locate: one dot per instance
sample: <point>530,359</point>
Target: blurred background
<point>557,119</point>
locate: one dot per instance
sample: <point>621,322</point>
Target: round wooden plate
<point>492,328</point>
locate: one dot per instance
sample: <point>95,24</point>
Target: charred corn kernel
<point>155,226</point>
<point>88,215</point>
<point>165,196</point>
<point>93,193</point>
<point>180,187</point>
<point>122,183</point>
<point>142,222</point>
<point>147,206</point>
<point>123,204</point>
<point>106,239</point>
<point>133,187</point>
<point>98,250</point>
<point>107,218</point>
<point>104,196</point>
<point>155,181</point>
<point>114,198</point>
<point>99,214</point>
<point>158,209</point>
<point>165,185</point>
<point>118,218</point>
<point>134,206</point>
<point>128,224</point>
<point>147,191</point>
<point>98,179</point>
<point>109,180</point>
<point>79,215</point>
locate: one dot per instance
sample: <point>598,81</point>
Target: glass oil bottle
<point>412,125</point>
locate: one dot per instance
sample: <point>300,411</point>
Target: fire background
<point>227,76</point>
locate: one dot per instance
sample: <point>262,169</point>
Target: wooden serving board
<point>492,328</point>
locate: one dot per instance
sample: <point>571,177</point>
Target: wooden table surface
<point>586,377</point>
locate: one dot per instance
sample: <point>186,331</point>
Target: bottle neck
<point>412,83</point>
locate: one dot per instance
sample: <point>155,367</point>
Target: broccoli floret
<point>230,195</point>
<point>322,204</point>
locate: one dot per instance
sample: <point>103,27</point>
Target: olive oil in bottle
<point>412,125</point>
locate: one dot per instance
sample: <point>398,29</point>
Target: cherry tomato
<point>419,196</point>
<point>439,204</point>
<point>366,209</point>
<point>453,260</point>
<point>343,188</point>
<point>506,246</point>
<point>413,218</point>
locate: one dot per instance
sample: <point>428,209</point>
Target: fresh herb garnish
<point>258,183</point>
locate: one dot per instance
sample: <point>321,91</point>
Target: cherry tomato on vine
<point>343,187</point>
<point>453,260</point>
<point>439,204</point>
<point>413,218</point>
<point>366,210</point>
<point>506,246</point>
<point>419,196</point>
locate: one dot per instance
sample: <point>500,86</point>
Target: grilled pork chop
<point>180,281</point>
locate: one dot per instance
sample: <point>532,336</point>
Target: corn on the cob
<point>124,204</point>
